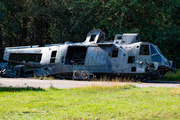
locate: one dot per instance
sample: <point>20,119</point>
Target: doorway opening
<point>76,55</point>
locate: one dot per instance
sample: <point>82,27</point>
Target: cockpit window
<point>144,50</point>
<point>158,50</point>
<point>153,50</point>
<point>156,58</point>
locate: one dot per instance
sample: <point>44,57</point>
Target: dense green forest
<point>30,22</point>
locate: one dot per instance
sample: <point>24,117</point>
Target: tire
<point>85,75</point>
<point>76,74</point>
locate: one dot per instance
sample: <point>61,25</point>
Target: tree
<point>29,22</point>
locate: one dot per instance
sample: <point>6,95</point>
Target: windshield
<point>155,54</point>
<point>158,49</point>
<point>153,50</point>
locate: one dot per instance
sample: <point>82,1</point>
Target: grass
<point>171,76</point>
<point>95,102</point>
<point>115,79</point>
<point>44,77</point>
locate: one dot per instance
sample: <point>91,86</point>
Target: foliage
<point>35,76</point>
<point>28,22</point>
<point>45,77</point>
<point>117,102</point>
<point>51,78</point>
<point>40,78</point>
<point>171,76</point>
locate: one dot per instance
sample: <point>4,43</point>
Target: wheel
<point>84,75</point>
<point>76,74</point>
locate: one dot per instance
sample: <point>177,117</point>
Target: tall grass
<point>114,79</point>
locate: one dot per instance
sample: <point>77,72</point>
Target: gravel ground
<point>65,84</point>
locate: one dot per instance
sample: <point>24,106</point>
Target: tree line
<point>32,22</point>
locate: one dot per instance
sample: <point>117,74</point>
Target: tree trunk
<point>24,31</point>
<point>1,51</point>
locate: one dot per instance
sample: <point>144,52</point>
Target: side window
<point>144,50</point>
<point>92,38</point>
<point>25,57</point>
<point>133,69</point>
<point>153,50</point>
<point>131,59</point>
<point>53,57</point>
<point>101,38</point>
<point>115,53</point>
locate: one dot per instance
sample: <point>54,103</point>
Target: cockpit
<point>151,50</point>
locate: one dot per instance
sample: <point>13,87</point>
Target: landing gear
<point>85,75</point>
<point>76,75</point>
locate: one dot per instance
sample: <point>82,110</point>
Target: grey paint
<point>99,57</point>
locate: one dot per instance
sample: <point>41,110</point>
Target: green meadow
<point>95,102</point>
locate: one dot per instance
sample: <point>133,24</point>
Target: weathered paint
<point>118,57</point>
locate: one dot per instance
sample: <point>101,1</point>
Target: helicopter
<point>125,56</point>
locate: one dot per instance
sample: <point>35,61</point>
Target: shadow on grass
<point>19,89</point>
